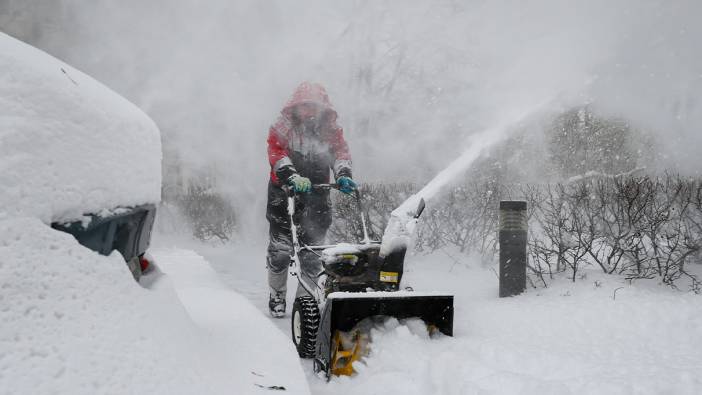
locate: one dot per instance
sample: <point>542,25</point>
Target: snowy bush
<point>634,226</point>
<point>199,210</point>
<point>639,227</point>
<point>378,200</point>
<point>465,219</point>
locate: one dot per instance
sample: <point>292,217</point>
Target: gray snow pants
<point>313,217</point>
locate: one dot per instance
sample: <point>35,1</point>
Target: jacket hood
<point>310,92</point>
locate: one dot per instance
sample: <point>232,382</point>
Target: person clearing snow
<point>339,286</point>
<point>303,145</point>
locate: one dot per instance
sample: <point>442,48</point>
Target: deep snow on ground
<point>600,335</point>
<point>259,355</point>
<point>75,322</point>
<point>68,144</point>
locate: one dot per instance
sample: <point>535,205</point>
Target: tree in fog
<point>579,141</point>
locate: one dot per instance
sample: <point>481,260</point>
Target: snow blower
<point>355,283</point>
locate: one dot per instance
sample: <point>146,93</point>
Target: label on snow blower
<point>388,277</point>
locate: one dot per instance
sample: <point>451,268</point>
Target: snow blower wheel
<point>305,323</point>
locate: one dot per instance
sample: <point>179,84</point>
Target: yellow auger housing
<point>344,310</point>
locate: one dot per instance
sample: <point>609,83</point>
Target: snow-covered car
<point>125,229</point>
<point>76,155</point>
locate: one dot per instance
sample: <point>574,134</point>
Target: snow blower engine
<point>355,283</point>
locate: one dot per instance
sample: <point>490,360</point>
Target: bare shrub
<point>210,215</point>
<point>635,226</point>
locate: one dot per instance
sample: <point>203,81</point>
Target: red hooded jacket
<point>291,151</point>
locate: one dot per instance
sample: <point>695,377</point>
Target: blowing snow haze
<point>412,81</point>
<point>587,110</point>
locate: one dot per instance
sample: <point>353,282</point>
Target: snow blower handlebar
<point>315,187</point>
<point>312,287</point>
<point>323,187</point>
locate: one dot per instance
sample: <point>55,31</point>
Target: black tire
<point>304,325</point>
<point>320,366</point>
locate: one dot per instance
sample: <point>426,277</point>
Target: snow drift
<point>69,145</point>
<point>75,322</point>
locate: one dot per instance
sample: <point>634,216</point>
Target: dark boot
<point>276,304</point>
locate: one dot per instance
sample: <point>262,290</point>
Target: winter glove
<point>346,184</point>
<point>300,184</point>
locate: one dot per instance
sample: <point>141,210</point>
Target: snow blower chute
<point>354,283</point>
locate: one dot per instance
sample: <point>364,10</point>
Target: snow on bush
<point>69,145</point>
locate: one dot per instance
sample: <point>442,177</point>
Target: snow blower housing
<point>356,283</point>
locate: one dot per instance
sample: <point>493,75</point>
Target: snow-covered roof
<point>68,144</point>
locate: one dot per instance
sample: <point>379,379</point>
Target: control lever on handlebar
<point>357,194</point>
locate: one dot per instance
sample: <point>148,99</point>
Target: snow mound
<point>75,322</point>
<point>68,144</point>
<point>261,356</point>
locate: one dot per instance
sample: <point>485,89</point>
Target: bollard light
<point>513,240</point>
